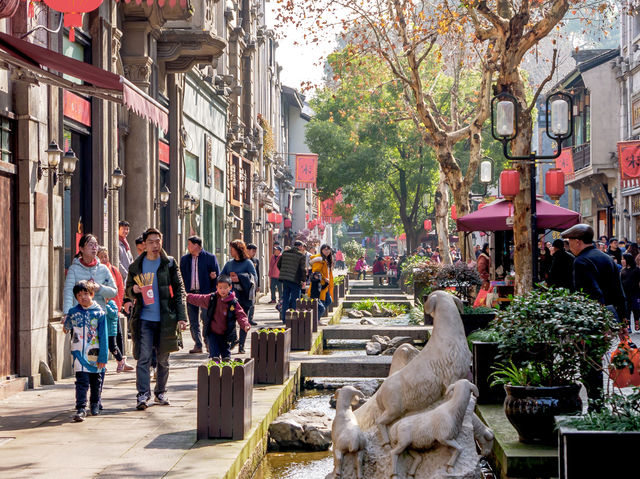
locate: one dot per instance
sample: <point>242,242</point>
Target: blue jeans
<point>194,324</point>
<point>290,293</point>
<point>275,284</point>
<point>149,340</point>
<point>218,346</point>
<point>243,334</point>
<point>324,305</point>
<point>84,382</point>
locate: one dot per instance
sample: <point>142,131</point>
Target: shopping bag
<point>624,369</point>
<point>481,299</point>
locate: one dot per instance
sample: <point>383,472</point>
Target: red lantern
<point>427,225</point>
<point>554,183</point>
<point>510,184</point>
<point>73,10</point>
<point>287,223</point>
<point>454,212</point>
<point>271,217</point>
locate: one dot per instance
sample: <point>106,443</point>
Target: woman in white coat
<point>87,266</point>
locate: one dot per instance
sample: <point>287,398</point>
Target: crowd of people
<point>161,296</point>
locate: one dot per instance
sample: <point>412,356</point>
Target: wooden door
<point>8,322</point>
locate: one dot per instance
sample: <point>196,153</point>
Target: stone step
<point>343,366</point>
<point>381,297</point>
<point>371,289</point>
<point>13,385</point>
<point>354,332</point>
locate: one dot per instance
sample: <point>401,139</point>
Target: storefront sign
<point>635,113</point>
<point>77,108</point>
<point>565,163</point>
<point>602,197</point>
<point>629,159</point>
<point>163,152</point>
<point>208,159</point>
<point>306,170</point>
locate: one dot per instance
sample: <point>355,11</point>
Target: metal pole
<point>534,223</point>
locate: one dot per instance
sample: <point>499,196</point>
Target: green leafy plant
<point>352,251</point>
<point>220,364</point>
<point>619,413</point>
<point>561,332</point>
<point>368,304</point>
<point>338,279</point>
<point>478,310</point>
<point>416,315</point>
<point>528,375</point>
<point>487,335</point>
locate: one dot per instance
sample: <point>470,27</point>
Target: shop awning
<point>493,217</point>
<point>106,85</point>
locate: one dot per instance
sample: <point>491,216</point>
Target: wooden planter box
<point>346,284</point>
<point>473,322</point>
<point>301,325</point>
<point>341,290</point>
<point>270,351</point>
<point>224,401</point>
<point>484,358</point>
<point>584,453</point>
<point>309,305</point>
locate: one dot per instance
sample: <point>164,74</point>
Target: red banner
<point>306,170</point>
<point>76,108</point>
<point>629,158</point>
<point>565,162</point>
<point>163,152</point>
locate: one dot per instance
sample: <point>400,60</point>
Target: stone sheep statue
<point>421,431</point>
<point>346,435</point>
<point>423,381</point>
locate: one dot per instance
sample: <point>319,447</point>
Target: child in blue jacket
<point>89,347</point>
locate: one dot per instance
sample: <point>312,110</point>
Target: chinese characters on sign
<point>629,158</point>
<point>208,159</point>
<point>306,170</point>
<point>565,162</point>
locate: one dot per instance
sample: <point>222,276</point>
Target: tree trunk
<point>442,218</point>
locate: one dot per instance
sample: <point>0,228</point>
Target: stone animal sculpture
<point>442,425</point>
<point>402,356</point>
<point>423,381</point>
<point>346,435</point>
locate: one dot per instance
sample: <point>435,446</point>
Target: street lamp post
<point>504,128</point>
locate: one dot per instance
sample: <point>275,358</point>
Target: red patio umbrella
<point>493,217</point>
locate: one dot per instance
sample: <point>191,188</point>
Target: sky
<point>300,63</point>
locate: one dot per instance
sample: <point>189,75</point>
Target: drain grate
<point>4,440</point>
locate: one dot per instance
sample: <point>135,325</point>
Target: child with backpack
<point>223,311</point>
<point>89,347</point>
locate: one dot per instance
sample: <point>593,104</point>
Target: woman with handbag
<point>244,279</point>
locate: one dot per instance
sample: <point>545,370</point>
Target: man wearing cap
<point>292,274</point>
<point>595,274</point>
<point>561,271</point>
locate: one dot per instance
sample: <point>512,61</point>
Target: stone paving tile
<point>120,443</point>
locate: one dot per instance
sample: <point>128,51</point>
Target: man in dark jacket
<point>156,320</point>
<point>200,271</point>
<point>292,274</point>
<point>561,271</point>
<point>614,250</point>
<point>597,276</point>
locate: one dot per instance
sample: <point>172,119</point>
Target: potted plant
<point>224,396</point>
<point>270,349</point>
<point>460,277</point>
<point>612,431</point>
<point>484,348</point>
<point>549,336</point>
<point>476,318</point>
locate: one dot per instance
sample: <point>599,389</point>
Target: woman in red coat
<point>484,264</point>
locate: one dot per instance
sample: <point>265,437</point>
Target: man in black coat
<point>561,271</point>
<point>200,271</point>
<point>596,275</point>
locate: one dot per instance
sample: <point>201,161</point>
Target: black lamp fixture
<point>485,177</point>
<point>189,205</point>
<point>117,179</point>
<point>505,111</point>
<point>54,153</point>
<point>69,162</point>
<point>164,197</point>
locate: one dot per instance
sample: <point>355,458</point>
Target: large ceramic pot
<point>531,410</point>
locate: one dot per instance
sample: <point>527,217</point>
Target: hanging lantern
<point>454,212</point>
<point>73,10</point>
<point>287,223</point>
<point>271,217</point>
<point>554,183</point>
<point>427,225</point>
<point>510,183</point>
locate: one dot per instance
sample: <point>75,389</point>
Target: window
<point>192,166</point>
<point>219,230</point>
<point>207,229</point>
<point>218,179</point>
<point>6,140</point>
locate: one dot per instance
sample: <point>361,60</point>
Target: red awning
<point>105,84</point>
<point>493,217</point>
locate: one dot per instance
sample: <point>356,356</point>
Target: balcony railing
<point>581,156</point>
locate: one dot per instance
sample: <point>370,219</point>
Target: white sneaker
<point>162,399</point>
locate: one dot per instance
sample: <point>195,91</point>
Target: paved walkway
<point>39,439</point>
